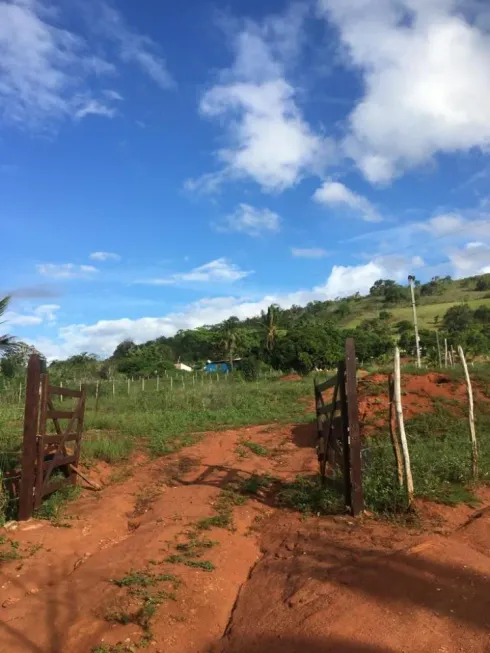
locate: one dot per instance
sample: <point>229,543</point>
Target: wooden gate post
<point>31,414</point>
<point>354,435</point>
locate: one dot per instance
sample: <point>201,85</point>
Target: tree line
<point>299,338</point>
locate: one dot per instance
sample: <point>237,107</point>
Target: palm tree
<point>230,336</point>
<point>7,343</point>
<point>270,326</point>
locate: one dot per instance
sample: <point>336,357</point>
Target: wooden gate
<point>339,443</point>
<point>44,452</point>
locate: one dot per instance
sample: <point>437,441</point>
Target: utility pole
<point>411,280</point>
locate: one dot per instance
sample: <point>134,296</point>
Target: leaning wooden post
<point>31,416</point>
<point>393,434</point>
<point>474,445</point>
<point>354,434</point>
<point>401,428</point>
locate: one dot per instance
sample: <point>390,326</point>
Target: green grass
<point>204,565</point>
<point>256,448</point>
<point>255,483</point>
<point>54,506</point>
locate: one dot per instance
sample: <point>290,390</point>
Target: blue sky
<point>167,165</point>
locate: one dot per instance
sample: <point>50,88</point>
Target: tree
<point>7,343</point>
<point>457,319</point>
<point>123,349</point>
<point>269,324</point>
<point>483,282</point>
<point>229,338</point>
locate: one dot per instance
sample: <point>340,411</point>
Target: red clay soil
<point>418,395</point>
<point>291,377</point>
<point>316,584</point>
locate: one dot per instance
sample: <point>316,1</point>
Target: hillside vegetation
<point>304,338</point>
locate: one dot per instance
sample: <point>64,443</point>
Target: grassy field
<point>165,420</point>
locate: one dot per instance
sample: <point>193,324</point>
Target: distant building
<point>182,367</point>
<point>221,366</point>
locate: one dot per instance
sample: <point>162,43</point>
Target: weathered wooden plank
<point>357,497</point>
<point>329,383</point>
<point>64,392</point>
<point>56,439</point>
<point>327,409</point>
<point>31,414</point>
<point>54,486</point>
<point>59,414</point>
<point>71,423</point>
<point>40,443</point>
<point>58,461</point>
<point>81,417</point>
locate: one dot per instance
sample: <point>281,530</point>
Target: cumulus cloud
<point>308,252</point>
<point>40,314</point>
<point>66,270</point>
<point>268,139</point>
<point>104,336</point>
<point>426,74</point>
<point>251,221</point>
<point>471,260</point>
<point>336,194</point>
<point>220,270</point>
<point>104,256</point>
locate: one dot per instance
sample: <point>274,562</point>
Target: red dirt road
<point>315,584</point>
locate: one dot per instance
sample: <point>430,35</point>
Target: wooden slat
<point>71,423</point>
<point>55,485</point>
<point>40,445</point>
<point>31,414</point>
<point>327,408</point>
<point>57,461</point>
<point>329,383</point>
<point>64,392</point>
<point>357,498</point>
<point>60,414</point>
<point>56,439</point>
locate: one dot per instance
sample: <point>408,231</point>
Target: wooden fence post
<point>29,453</point>
<point>471,416</point>
<point>438,349</point>
<point>96,396</point>
<point>158,382</point>
<point>357,498</point>
<point>393,434</point>
<point>401,428</point>
<point>445,352</point>
<point>129,387</point>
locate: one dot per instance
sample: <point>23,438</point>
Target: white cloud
<point>42,313</point>
<point>20,320</point>
<point>43,69</point>
<point>104,256</point>
<point>308,252</point>
<point>135,48</point>
<point>48,73</point>
<point>252,221</point>
<point>94,108</point>
<point>104,336</point>
<point>426,75</point>
<point>471,260</point>
<point>65,270</point>
<point>268,139</point>
<point>47,312</point>
<point>220,270</point>
<point>336,194</point>
<point>113,95</point>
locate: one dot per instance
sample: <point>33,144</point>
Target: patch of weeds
<point>120,475</point>
<point>109,448</point>
<point>205,565</point>
<point>307,495</point>
<point>224,517</point>
<point>242,452</point>
<point>256,448</point>
<point>182,466</point>
<point>255,483</point>
<point>144,579</point>
<point>53,507</point>
<point>12,552</point>
<point>196,544</point>
<point>144,499</point>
